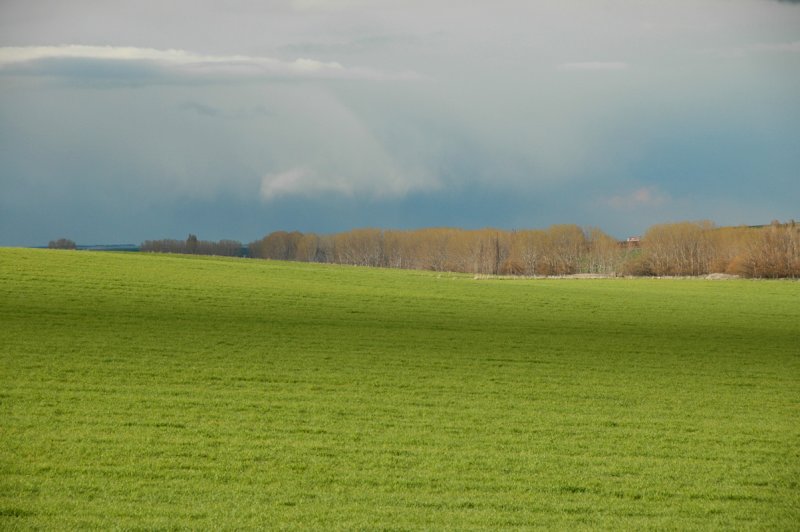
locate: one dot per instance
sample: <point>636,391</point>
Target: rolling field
<point>163,392</point>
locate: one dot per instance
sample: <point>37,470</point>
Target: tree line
<point>675,249</point>
<point>62,243</point>
<point>193,246</point>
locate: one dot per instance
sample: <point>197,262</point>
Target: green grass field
<point>163,392</point>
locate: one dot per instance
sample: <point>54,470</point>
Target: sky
<point>127,121</point>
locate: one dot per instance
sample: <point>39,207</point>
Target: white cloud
<point>21,54</point>
<point>306,182</point>
<point>321,146</point>
<point>300,181</point>
<point>594,65</point>
<point>642,197</point>
<point>189,63</point>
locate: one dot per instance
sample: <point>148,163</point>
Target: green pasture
<point>166,392</point>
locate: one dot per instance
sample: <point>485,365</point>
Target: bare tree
<point>684,248</point>
<point>61,243</point>
<point>605,253</point>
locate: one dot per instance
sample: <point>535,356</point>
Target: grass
<point>163,392</point>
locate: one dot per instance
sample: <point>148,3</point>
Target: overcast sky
<point>126,121</point>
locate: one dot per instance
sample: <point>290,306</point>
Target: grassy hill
<point>153,391</point>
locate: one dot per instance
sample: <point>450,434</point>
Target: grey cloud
<point>199,108</point>
<point>90,71</point>
<point>359,45</point>
<point>253,112</point>
<point>594,66</point>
